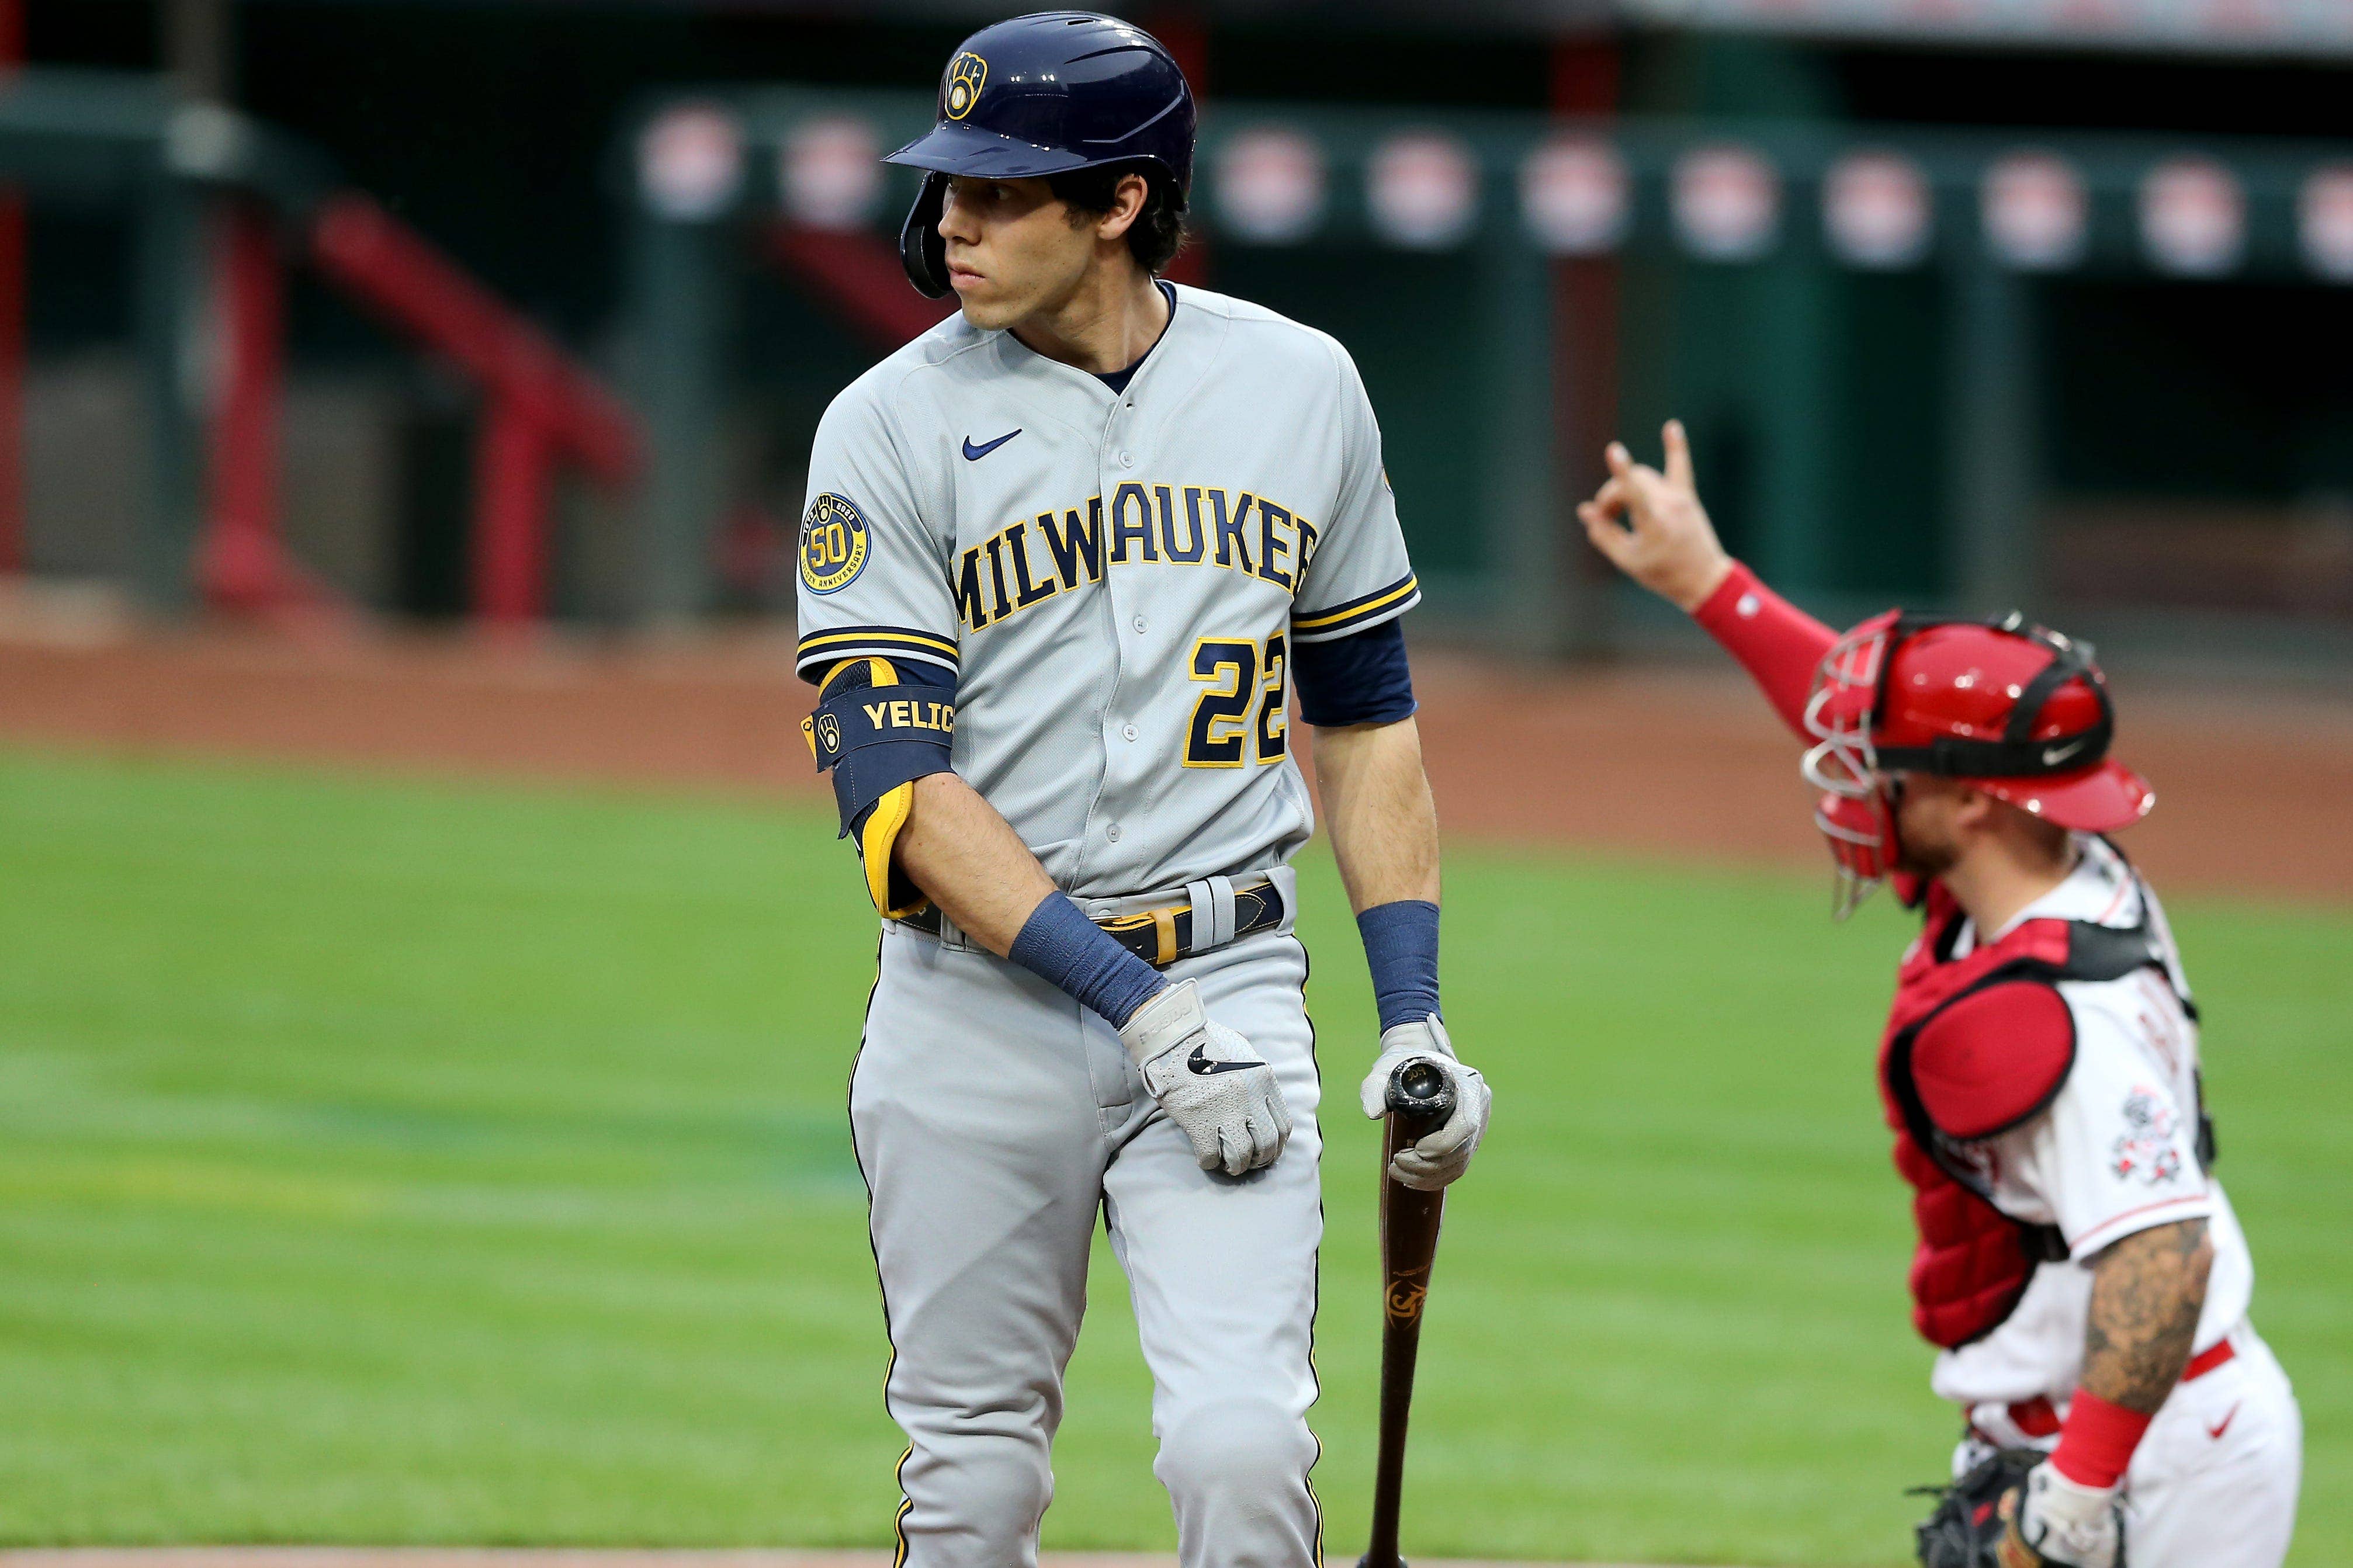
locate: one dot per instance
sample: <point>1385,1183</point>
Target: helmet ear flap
<point>922,251</point>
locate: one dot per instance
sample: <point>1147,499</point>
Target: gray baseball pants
<point>994,1119</point>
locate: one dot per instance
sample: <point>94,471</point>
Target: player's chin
<point>981,303</point>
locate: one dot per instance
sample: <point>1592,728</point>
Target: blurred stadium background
<point>421,939</point>
<point>527,308</point>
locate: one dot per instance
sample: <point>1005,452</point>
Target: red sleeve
<point>1992,1060</point>
<point>1779,644</point>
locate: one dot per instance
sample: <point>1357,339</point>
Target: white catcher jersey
<point>1115,580</point>
<point>2116,1152</point>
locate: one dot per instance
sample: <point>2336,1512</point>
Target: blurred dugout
<point>1974,361</point>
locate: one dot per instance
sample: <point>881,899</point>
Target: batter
<point>1066,559</point>
<point>2079,1267</point>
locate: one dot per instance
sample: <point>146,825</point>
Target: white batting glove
<point>1209,1081</point>
<point>2054,1521</point>
<point>1440,1156</point>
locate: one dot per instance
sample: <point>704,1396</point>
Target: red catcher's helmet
<point>2020,711</point>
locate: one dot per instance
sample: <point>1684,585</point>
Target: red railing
<point>858,275</point>
<point>241,564</point>
<point>540,406</point>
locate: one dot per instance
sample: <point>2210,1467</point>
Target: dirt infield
<point>2254,797</point>
<point>547,1557</point>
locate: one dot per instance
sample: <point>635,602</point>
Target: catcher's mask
<point>2018,711</point>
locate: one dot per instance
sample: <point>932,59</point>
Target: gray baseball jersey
<point>1115,579</point>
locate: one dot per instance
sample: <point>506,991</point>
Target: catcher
<point>2078,1268</point>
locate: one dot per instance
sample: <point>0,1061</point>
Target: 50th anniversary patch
<point>833,544</point>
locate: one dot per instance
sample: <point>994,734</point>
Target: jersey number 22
<point>1241,675</point>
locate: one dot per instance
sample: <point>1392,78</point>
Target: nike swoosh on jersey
<point>1200,1062</point>
<point>975,454</point>
<point>2217,1430</point>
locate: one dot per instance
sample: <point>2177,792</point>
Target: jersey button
<point>1127,460</point>
<point>1111,833</point>
<point>1139,622</point>
<point>1129,732</point>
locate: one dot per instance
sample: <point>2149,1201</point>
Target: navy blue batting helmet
<point>1043,95</point>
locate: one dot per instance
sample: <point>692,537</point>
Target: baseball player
<point>2079,1267</point>
<point>1066,559</point>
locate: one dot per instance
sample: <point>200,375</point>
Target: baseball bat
<point>1419,1102</point>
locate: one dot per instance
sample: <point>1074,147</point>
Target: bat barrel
<point>1401,1347</point>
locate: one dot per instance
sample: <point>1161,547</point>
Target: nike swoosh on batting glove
<point>1210,1080</point>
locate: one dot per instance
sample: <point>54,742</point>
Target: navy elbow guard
<point>877,734</point>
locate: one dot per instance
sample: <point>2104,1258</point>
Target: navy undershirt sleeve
<point>1061,946</point>
<point>1402,950</point>
<point>1361,679</point>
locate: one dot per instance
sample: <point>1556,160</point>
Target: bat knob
<point>1419,1090</point>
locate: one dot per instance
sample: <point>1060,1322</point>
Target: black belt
<point>1162,936</point>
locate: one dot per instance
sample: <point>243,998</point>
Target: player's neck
<point>1104,325</point>
<point>1999,877</point>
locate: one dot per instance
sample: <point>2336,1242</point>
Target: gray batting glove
<point>1209,1081</point>
<point>1440,1156</point>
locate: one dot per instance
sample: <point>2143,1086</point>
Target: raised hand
<point>1652,526</point>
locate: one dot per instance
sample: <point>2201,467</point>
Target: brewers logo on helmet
<point>961,90</point>
<point>1063,91</point>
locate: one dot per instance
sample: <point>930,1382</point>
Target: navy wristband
<point>1402,950</point>
<point>1059,945</point>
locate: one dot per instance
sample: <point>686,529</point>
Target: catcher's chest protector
<point>1973,1261</point>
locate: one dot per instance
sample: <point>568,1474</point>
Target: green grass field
<point>391,1162</point>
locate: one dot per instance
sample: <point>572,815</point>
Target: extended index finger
<point>1679,462</point>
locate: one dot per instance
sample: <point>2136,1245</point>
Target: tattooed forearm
<point>2147,1291</point>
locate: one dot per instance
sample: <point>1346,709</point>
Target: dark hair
<point>1158,232</point>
